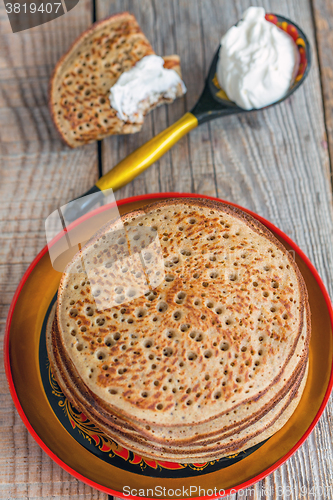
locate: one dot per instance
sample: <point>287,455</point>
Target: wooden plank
<point>323,19</point>
<point>37,174</point>
<point>171,172</point>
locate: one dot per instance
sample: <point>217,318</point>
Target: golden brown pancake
<point>81,82</point>
<point>204,352</point>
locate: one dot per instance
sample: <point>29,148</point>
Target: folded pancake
<point>195,358</point>
<point>181,434</point>
<point>81,81</point>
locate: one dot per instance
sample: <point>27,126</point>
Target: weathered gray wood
<point>37,173</point>
<point>171,172</point>
<point>274,162</point>
<point>323,20</point>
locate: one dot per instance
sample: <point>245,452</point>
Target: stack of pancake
<point>183,336</point>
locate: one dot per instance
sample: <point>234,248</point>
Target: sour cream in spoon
<point>257,61</point>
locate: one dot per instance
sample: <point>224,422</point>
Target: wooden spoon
<point>213,103</point>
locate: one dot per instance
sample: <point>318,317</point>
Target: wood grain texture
<point>323,20</point>
<point>274,162</point>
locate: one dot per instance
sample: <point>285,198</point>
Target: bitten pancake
<point>81,82</point>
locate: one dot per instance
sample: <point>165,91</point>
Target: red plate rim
<point>104,489</point>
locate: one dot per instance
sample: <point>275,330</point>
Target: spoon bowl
<point>213,103</point>
<point>207,109</point>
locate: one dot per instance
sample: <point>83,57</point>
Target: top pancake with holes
<point>194,305</point>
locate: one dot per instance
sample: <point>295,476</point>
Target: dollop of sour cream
<point>142,86</point>
<point>257,61</point>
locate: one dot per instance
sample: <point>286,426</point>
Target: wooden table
<point>275,162</point>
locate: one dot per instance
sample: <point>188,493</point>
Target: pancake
<point>235,311</point>
<point>235,439</point>
<point>202,351</point>
<point>278,416</point>
<point>253,410</point>
<point>81,81</point>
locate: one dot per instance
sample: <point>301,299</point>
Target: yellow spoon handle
<point>135,163</point>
